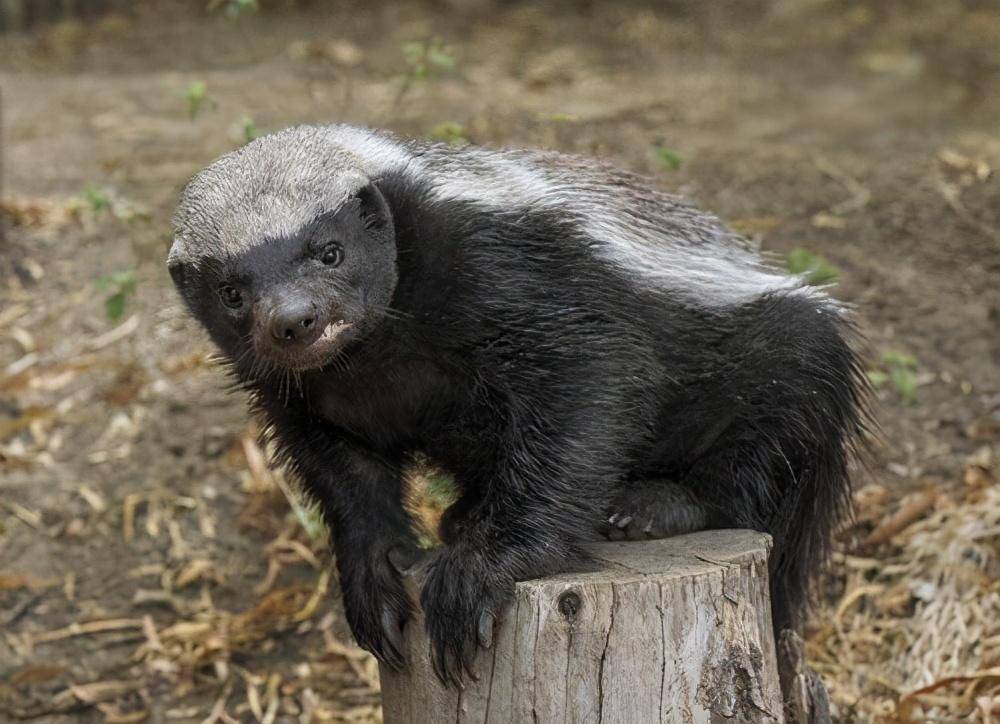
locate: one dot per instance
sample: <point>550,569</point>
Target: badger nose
<point>294,322</point>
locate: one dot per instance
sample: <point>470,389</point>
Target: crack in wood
<point>604,655</point>
<point>489,692</point>
<point>663,646</point>
<point>534,654</point>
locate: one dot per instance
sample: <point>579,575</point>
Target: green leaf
<point>116,280</point>
<point>426,58</point>
<point>878,378</point>
<point>196,94</point>
<point>95,198</point>
<point>816,270</point>
<point>250,131</point>
<point>121,284</point>
<point>413,51</point>
<point>449,132</point>
<point>114,306</point>
<point>440,57</point>
<point>667,158</point>
<point>905,382</point>
<point>895,358</point>
<point>900,369</point>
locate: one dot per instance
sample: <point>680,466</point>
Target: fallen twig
<point>86,629</point>
<point>901,519</point>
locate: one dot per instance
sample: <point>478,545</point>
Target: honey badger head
<point>284,251</point>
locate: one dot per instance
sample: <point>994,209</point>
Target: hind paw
<point>656,509</point>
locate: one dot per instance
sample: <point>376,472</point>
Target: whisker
<point>391,312</point>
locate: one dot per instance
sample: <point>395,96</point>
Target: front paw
<point>461,599</point>
<point>376,603</point>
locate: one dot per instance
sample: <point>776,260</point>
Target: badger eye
<point>231,296</point>
<point>332,255</point>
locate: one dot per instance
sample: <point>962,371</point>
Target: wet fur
<point>551,380</point>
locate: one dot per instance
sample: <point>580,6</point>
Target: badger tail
<point>800,417</point>
<point>814,448</point>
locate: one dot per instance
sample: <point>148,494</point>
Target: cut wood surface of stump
<point>675,630</point>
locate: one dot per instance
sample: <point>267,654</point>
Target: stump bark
<point>676,630</point>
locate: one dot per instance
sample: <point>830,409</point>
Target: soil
<point>866,132</point>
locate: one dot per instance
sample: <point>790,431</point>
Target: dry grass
<point>915,634</point>
<point>191,645</point>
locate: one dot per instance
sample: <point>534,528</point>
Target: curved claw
<point>635,530</point>
<point>452,663</point>
<point>403,556</point>
<point>616,534</point>
<point>439,661</point>
<point>460,598</point>
<point>392,630</point>
<point>485,632</point>
<point>469,658</point>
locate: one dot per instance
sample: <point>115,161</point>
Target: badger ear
<point>177,261</point>
<point>374,209</point>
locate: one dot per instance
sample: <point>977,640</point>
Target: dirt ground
<point>150,566</point>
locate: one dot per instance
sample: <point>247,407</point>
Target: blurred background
<point>152,566</point>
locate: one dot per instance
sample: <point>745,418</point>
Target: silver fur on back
<point>277,183</point>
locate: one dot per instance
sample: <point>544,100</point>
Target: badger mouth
<point>314,355</point>
<point>332,331</point>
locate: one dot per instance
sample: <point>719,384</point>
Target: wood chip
<point>86,629</point>
<point>25,515</point>
<point>896,523</point>
<point>117,334</point>
<point>103,690</point>
<point>94,499</point>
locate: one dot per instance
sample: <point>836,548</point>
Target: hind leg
<point>656,508</point>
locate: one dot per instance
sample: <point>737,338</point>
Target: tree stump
<point>675,630</point>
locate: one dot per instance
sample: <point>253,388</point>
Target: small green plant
<point>449,132</point>
<point>667,158</point>
<point>95,199</point>
<point>196,94</point>
<point>425,60</point>
<point>250,130</point>
<point>119,286</point>
<point>816,270</point>
<point>900,370</point>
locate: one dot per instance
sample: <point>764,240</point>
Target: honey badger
<point>585,353</point>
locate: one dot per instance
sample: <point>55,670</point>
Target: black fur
<point>550,386</point>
